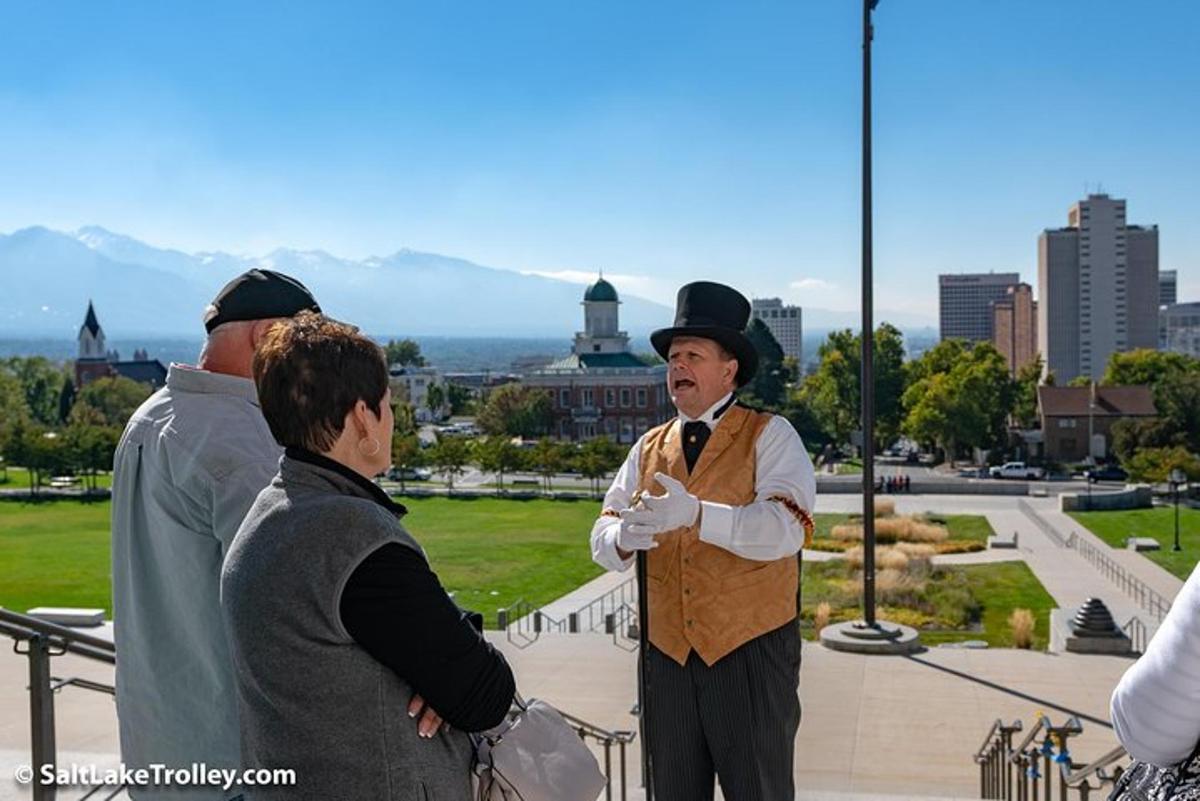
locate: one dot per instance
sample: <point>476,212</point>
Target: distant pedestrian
<point>907,483</point>
<point>191,461</point>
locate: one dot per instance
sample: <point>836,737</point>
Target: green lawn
<point>489,552</point>
<point>1159,523</point>
<point>966,602</point>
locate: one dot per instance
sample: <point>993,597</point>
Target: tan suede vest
<point>702,596</point>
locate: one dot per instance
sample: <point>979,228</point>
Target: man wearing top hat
<point>190,463</point>
<point>720,501</point>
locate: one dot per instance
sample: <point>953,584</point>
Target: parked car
<point>1107,472</point>
<point>1017,470</point>
<point>410,474</point>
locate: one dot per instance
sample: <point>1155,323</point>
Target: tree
<point>961,396</point>
<point>1025,398</point>
<point>498,454</point>
<point>13,407</point>
<point>405,352</point>
<point>109,401</point>
<point>833,392</point>
<point>459,397</point>
<point>1177,397</point>
<point>450,455</point>
<point>769,385</point>
<point>1155,464</point>
<point>435,399</point>
<point>1132,435</point>
<point>41,381</point>
<point>547,459</point>
<point>1144,366</point>
<point>597,458</point>
<point>404,419</point>
<point>91,449</point>
<point>42,451</point>
<point>517,411</point>
<point>407,454</point>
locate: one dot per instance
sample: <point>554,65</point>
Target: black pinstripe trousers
<point>735,721</point>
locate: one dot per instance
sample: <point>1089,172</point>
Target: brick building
<point>1067,414</point>
<point>602,388</point>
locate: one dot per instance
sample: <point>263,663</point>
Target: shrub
<point>1021,622</point>
<point>894,529</point>
<point>821,615</point>
<point>885,507</point>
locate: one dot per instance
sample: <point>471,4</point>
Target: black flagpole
<point>643,677</point>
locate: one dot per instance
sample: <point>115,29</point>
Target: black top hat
<point>712,311</point>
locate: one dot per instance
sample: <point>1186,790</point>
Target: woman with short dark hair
<point>354,666</point>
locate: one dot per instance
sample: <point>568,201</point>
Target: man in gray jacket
<point>191,461</point>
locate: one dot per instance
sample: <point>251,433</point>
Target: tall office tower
<point>784,322</point>
<point>965,303</point>
<point>1014,326</point>
<point>1181,328</point>
<point>1097,289</point>
<point>1168,287</point>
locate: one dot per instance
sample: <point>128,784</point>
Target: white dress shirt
<point>764,530</point>
<point>1156,705</point>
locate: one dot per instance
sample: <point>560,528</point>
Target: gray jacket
<point>310,698</point>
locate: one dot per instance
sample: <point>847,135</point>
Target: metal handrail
<point>43,641</point>
<point>607,603</point>
<point>1026,772</point>
<point>1131,585</point>
<point>1087,771</point>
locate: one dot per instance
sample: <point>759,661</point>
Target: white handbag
<point>535,756</point>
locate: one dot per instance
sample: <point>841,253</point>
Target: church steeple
<point>91,337</point>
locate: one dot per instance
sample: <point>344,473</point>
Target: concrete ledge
<point>885,639</point>
<point>1142,544</point>
<point>1002,541</point>
<point>1136,497</point>
<point>827,485</point>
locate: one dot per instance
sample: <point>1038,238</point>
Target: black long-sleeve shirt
<point>394,606</point>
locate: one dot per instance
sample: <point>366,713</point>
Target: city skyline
<point>658,145</point>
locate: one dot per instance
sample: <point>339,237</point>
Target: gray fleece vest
<point>309,697</point>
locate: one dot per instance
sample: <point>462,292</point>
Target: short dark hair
<point>310,372</point>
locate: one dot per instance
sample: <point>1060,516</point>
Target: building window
<point>564,399</point>
<point>625,397</point>
<point>587,396</point>
<point>610,397</point>
<point>641,397</point>
<point>626,430</point>
<point>1066,423</point>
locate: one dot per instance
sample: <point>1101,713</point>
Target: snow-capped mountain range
<point>47,278</point>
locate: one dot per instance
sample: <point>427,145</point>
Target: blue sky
<point>661,141</point>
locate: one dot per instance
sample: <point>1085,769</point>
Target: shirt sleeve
<point>1156,705</point>
<point>234,494</point>
<point>779,521</point>
<point>394,606</point>
<point>619,497</point>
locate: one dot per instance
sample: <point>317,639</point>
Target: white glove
<point>633,536</point>
<point>658,513</point>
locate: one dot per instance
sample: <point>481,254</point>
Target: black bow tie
<point>695,435</point>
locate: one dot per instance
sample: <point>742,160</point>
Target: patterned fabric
<point>1146,782</point>
<point>801,515</point>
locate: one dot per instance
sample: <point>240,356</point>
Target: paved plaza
<point>900,727</point>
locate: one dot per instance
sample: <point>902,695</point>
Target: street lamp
<point>1177,477</point>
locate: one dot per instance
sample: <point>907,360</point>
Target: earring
<point>363,451</point>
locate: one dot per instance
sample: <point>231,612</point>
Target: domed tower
<point>601,329</point>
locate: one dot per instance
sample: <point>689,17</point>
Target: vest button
<point>689,623</point>
<point>687,590</point>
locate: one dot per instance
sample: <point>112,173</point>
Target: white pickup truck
<point>1017,470</point>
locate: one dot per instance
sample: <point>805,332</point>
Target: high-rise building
<point>965,303</point>
<point>1181,328</point>
<point>1168,287</point>
<point>1098,289</point>
<point>1014,326</point>
<point>784,322</point>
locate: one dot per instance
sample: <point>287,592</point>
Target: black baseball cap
<point>259,295</point>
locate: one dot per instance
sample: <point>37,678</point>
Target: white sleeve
<point>617,499</point>
<point>767,529</point>
<point>1156,705</point>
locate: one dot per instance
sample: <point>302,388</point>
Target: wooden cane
<point>643,673</point>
